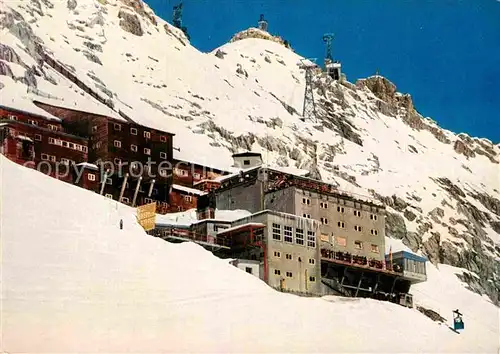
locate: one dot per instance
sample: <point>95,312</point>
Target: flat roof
<point>48,117</point>
<point>37,127</point>
<point>336,191</point>
<point>122,121</point>
<point>247,154</point>
<point>241,227</point>
<point>407,255</point>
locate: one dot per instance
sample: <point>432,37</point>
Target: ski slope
<point>72,281</point>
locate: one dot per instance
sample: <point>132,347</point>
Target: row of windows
<point>288,235</point>
<point>324,205</point>
<point>289,256</point>
<point>290,275</point>
<point>341,225</point>
<point>133,131</point>
<point>67,144</point>
<point>342,241</point>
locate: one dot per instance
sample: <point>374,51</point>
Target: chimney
<point>247,159</point>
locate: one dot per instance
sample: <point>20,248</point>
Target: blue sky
<point>445,53</point>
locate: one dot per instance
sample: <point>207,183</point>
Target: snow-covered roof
<point>24,137</point>
<point>88,165</point>
<point>241,226</point>
<point>188,190</point>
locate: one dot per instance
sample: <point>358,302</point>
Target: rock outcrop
<point>130,22</point>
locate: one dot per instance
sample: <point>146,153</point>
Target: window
<point>12,117</point>
<point>94,128</point>
<point>277,254</point>
<point>38,137</point>
<point>324,221</point>
<point>65,161</point>
<point>289,256</point>
<point>109,181</point>
<point>180,172</point>
<point>341,241</point>
<point>117,143</point>
<point>98,145</point>
<point>110,196</point>
<point>374,248</point>
<point>277,272</point>
<point>163,155</point>
<point>374,232</point>
<point>308,216</point>
<point>287,232</point>
<point>52,127</point>
<point>311,261</point>
<point>311,239</point>
<point>289,274</point>
<point>117,126</point>
<point>163,138</point>
<point>373,217</point>
<point>358,245</point>
<point>276,232</point>
<point>133,131</point>
<point>44,156</point>
<point>118,161</point>
<point>246,162</point>
<point>91,177</point>
<point>312,279</point>
<point>52,141</point>
<point>341,224</point>
<point>147,151</point>
<point>163,172</point>
<point>149,200</point>
<point>299,236</point>
<point>52,158</point>
<point>357,228</point>
<point>248,270</point>
<point>188,198</point>
<point>196,176</point>
<point>85,149</point>
<point>357,213</point>
<point>32,122</point>
<point>147,135</point>
<point>71,145</point>
<point>306,201</point>
<point>125,200</point>
<point>323,205</point>
<point>133,148</point>
<point>340,209</point>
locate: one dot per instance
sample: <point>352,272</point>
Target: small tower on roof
<point>262,23</point>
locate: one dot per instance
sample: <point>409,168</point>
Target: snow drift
<point>72,281</point>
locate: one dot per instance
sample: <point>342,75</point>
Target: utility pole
<point>309,108</point>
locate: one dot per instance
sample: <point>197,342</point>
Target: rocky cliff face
<point>441,189</point>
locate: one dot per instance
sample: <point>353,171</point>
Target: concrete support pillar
<point>105,177</point>
<point>151,188</point>
<point>136,191</point>
<point>123,187</point>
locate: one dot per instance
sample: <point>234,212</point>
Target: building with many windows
<point>135,161</point>
<point>285,246</point>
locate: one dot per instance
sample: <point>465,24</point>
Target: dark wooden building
<point>135,161</point>
<point>40,142</point>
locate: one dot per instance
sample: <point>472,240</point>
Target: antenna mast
<point>332,67</point>
<point>309,108</point>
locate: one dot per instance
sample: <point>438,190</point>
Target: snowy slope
<point>442,189</point>
<point>73,282</point>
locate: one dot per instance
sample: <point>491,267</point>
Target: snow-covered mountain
<point>72,281</point>
<point>442,189</point>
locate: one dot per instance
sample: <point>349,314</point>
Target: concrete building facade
<point>348,224</point>
<point>290,252</point>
